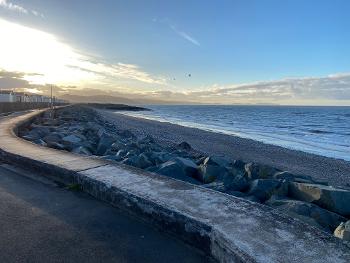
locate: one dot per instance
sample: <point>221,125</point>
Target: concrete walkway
<point>42,222</point>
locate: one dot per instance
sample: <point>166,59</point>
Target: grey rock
<point>213,168</point>
<point>104,143</point>
<point>121,153</point>
<point>143,161</point>
<point>73,139</point>
<point>257,171</point>
<point>175,170</point>
<point>53,138</point>
<point>343,231</point>
<point>330,198</point>
<point>81,150</point>
<point>185,146</point>
<point>310,213</point>
<point>40,142</point>
<point>263,189</point>
<point>56,145</point>
<point>218,161</point>
<point>160,157</point>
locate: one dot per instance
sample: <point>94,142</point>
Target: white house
<point>7,96</point>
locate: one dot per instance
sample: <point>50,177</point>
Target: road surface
<point>43,222</point>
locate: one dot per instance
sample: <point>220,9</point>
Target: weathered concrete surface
<point>228,228</point>
<point>42,222</point>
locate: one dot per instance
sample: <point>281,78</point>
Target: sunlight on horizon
<point>34,52</point>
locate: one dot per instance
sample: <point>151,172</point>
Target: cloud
<point>331,90</point>
<point>13,7</point>
<point>185,35</point>
<point>66,65</point>
<point>181,33</point>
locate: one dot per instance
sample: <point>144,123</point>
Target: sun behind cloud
<point>29,50</point>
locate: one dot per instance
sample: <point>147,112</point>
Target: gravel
<point>335,171</point>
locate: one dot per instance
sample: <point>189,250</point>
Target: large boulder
<point>177,170</point>
<point>263,189</point>
<point>160,157</point>
<point>184,146</point>
<point>52,138</point>
<point>213,168</point>
<point>309,213</point>
<point>343,231</point>
<point>258,171</point>
<point>330,198</point>
<point>143,161</point>
<point>72,139</point>
<point>104,143</point>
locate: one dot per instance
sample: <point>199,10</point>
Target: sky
<point>227,52</point>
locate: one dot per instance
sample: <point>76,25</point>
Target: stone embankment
<point>81,130</point>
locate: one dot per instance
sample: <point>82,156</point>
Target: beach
<point>335,171</point>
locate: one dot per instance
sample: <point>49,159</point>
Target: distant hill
<point>117,100</point>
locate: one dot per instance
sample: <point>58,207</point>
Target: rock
<point>53,138</point>
<point>72,139</point>
<point>343,231</point>
<point>332,199</point>
<point>263,189</point>
<point>56,145</point>
<point>213,168</point>
<point>184,146</point>
<point>309,213</point>
<point>121,153</point>
<point>296,178</point>
<point>257,171</point>
<point>160,157</point>
<point>235,182</point>
<point>189,167</point>
<point>140,161</point>
<point>239,165</point>
<point>40,142</point>
<point>216,160</point>
<point>42,131</point>
<point>81,150</point>
<point>175,170</point>
<point>116,146</point>
<point>143,161</point>
<point>104,143</point>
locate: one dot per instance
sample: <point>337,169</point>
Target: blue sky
<point>222,44</point>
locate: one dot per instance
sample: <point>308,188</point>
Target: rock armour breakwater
<point>81,130</point>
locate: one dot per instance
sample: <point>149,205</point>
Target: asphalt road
<point>43,222</point>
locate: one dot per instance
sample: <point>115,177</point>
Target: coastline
<point>335,171</point>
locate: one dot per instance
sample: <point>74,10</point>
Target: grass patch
<point>74,187</point>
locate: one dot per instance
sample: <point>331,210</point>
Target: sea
<point>319,130</point>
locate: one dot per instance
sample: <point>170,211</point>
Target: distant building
<point>10,96</point>
<point>7,96</point>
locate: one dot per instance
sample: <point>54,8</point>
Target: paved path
<point>42,222</point>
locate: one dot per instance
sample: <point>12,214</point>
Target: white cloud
<point>57,62</point>
<point>13,7</point>
<point>185,35</point>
